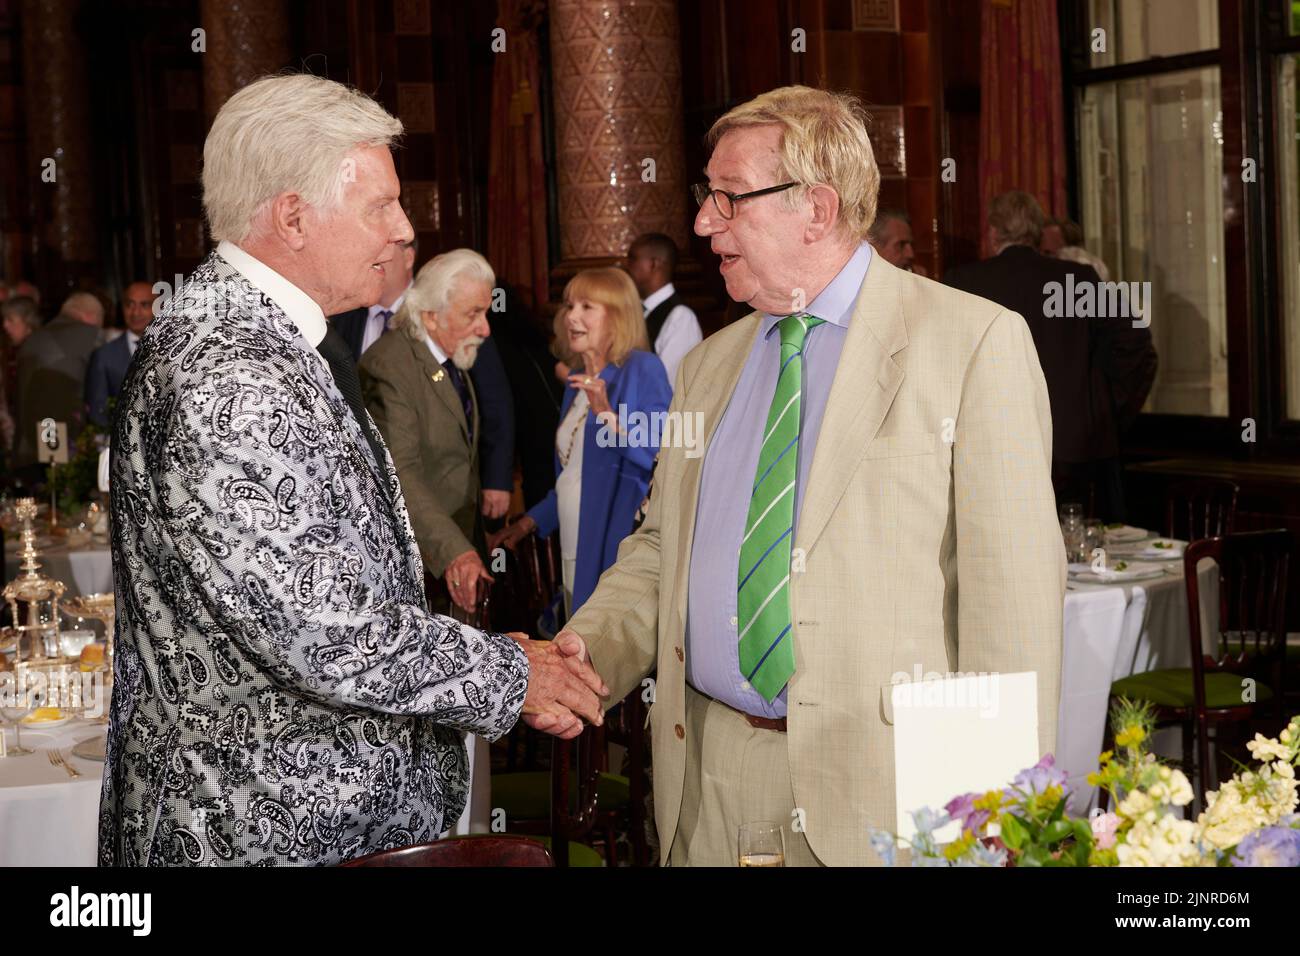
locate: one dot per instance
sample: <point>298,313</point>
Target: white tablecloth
<point>1112,631</point>
<point>86,570</point>
<point>48,819</point>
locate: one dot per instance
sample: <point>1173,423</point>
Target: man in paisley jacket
<point>281,694</point>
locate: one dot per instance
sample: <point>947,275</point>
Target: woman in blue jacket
<point>610,424</point>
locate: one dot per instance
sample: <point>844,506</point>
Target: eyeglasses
<point>726,202</point>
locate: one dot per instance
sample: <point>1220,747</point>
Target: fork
<point>59,760</point>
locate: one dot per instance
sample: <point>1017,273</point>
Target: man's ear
<point>825,212</point>
<point>288,220</point>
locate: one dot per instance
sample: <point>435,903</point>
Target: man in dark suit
<point>362,328</point>
<point>108,363</point>
<point>1099,369</point>
<point>52,370</point>
<point>419,392</point>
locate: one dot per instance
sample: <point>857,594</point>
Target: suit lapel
<point>866,380</point>
<point>440,381</point>
<point>718,385</point>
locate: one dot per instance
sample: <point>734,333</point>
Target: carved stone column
<point>59,168</point>
<point>617,79</point>
<point>246,39</point>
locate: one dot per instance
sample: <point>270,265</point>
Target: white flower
<point>1265,749</point>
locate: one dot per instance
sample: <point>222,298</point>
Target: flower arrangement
<point>1249,821</point>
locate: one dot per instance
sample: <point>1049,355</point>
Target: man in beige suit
<point>418,390</point>
<point>899,516</point>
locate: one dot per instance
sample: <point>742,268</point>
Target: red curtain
<point>516,172</point>
<point>1022,126</point>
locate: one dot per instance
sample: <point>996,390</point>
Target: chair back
<point>463,851</point>
<point>1205,508</point>
<point>573,808</point>
<point>1252,573</point>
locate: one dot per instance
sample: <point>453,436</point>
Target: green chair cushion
<point>527,796</point>
<point>1173,688</point>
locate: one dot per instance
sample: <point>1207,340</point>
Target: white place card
<point>960,735</point>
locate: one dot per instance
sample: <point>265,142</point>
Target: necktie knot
<point>795,328</point>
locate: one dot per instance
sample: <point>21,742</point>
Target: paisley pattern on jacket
<point>281,694</point>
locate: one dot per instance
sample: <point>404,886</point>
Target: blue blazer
<point>614,479</point>
<point>104,377</point>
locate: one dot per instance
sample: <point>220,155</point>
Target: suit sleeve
<point>1128,360</point>
<point>620,621</point>
<point>440,538</point>
<point>497,417</point>
<point>97,388</point>
<point>268,533</point>
<point>651,394</point>
<point>1010,556</point>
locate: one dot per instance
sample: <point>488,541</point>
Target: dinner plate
<point>1125,534</point>
<point>1148,550</point>
<point>1132,572</point>
<point>44,724</point>
<point>92,749</point>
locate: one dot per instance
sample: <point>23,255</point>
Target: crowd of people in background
<point>507,395</point>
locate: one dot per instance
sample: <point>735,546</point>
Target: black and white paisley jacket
<point>281,694</point>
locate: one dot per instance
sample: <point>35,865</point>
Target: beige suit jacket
<point>412,400</point>
<point>928,539</point>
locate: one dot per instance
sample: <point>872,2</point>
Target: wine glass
<point>762,844</point>
<point>13,708</point>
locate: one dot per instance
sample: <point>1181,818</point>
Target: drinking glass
<point>14,710</point>
<point>762,844</point>
<point>1073,532</point>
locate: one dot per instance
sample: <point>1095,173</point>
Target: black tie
<point>466,403</point>
<point>334,349</point>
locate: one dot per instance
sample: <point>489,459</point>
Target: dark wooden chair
<point>1244,678</point>
<point>463,851</point>
<point>1203,508</point>
<point>625,725</point>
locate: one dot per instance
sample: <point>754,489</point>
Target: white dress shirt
<point>377,324</point>
<point>301,309</point>
<point>680,332</point>
<point>132,342</point>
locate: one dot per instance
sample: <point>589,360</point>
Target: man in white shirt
<point>671,324</point>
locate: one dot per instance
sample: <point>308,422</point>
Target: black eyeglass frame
<point>701,191</point>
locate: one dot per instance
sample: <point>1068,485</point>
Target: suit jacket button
<point>680,655</point>
<point>680,731</point>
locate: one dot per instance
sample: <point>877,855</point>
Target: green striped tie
<point>763,596</point>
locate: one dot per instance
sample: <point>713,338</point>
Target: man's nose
<point>402,231</point>
<point>707,221</point>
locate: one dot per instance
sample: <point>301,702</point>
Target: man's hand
<point>463,576</point>
<point>495,503</point>
<point>563,690</point>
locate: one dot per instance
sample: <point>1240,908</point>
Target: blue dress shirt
<point>712,644</point>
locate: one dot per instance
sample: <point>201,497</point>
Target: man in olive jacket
<point>418,390</point>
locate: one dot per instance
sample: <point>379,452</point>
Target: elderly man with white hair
<point>873,499</point>
<point>281,693</point>
<point>419,391</point>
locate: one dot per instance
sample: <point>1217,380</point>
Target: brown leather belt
<point>760,723</point>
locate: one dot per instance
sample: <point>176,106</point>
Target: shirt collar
<point>659,295</point>
<point>393,309</point>
<point>301,308</point>
<point>836,301</point>
<point>438,353</point>
<point>132,340</point>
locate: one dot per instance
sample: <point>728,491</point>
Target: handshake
<point>563,688</point>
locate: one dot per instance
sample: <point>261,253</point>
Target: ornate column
<point>617,79</point>
<point>59,162</point>
<point>246,39</point>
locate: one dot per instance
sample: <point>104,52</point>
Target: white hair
<point>287,133</point>
<point>434,284</point>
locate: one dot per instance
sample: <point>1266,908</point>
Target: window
<point>1135,30</point>
<point>1288,158</point>
<point>1151,202</point>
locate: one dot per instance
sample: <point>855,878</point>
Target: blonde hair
<point>287,133</point>
<point>614,289</point>
<point>823,142</point>
<point>1017,218</point>
<point>433,287</point>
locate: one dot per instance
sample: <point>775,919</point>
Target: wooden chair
<point>463,851</point>
<point>625,725</point>
<point>1213,692</point>
<point>1204,508</point>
